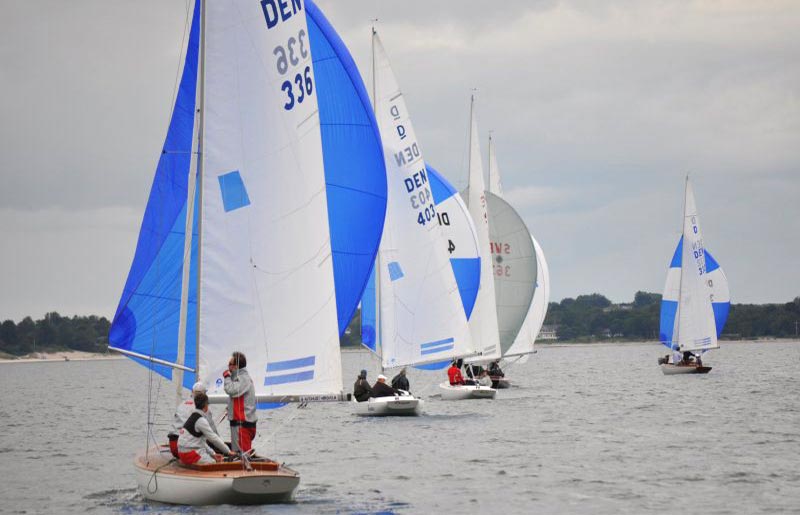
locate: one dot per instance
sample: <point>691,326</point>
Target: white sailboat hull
<point>162,481</point>
<point>398,406</point>
<point>669,369</point>
<point>463,392</point>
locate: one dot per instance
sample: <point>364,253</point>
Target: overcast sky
<point>598,110</point>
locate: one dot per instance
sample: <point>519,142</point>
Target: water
<point>590,429</point>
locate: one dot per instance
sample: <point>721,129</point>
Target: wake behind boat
<point>161,478</point>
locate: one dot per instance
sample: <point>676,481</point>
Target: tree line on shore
<point>593,317</point>
<point>584,318</point>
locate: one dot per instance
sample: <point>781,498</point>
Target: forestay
<point>483,323</point>
<point>421,317</point>
<point>694,327</point>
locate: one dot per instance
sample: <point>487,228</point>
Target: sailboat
<point>523,345</point>
<point>246,242</point>
<point>483,322</point>
<point>413,307</point>
<point>696,298</point>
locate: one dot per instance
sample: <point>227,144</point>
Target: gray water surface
<point>589,429</point>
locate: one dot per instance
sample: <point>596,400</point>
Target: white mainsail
<point>266,278</point>
<point>483,323</point>
<point>422,319</point>
<point>695,329</point>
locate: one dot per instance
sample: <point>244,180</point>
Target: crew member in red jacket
<point>454,374</point>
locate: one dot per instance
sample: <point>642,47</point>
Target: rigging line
<point>181,56</point>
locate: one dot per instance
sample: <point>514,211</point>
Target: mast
<point>491,153</point>
<point>200,158</point>
<point>377,269</point>
<point>469,138</point>
<point>676,335</point>
<point>195,181</point>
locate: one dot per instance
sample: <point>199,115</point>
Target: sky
<point>598,109</point>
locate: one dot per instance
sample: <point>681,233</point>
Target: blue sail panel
<point>146,320</point>
<point>721,310</point>
<point>669,309</point>
<point>468,276</point>
<point>369,318</point>
<point>355,174</point>
<point>440,188</point>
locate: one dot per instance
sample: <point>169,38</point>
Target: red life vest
<point>454,374</point>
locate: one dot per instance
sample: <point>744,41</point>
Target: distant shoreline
<point>64,356</point>
<point>67,356</point>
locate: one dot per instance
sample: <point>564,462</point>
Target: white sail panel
<point>524,342</point>
<point>695,328</point>
<point>266,275</point>
<point>495,185</point>
<point>421,314</point>
<point>483,323</point>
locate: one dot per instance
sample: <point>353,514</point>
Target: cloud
<point>598,110</point>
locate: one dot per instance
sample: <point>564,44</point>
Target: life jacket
<point>455,376</point>
<point>190,424</point>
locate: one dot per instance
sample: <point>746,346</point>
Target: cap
<point>381,377</point>
<point>199,388</point>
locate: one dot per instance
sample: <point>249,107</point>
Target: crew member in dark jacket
<point>495,370</point>
<point>362,391</point>
<point>381,389</point>
<point>400,381</point>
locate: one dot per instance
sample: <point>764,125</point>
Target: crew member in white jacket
<point>197,434</point>
<point>182,413</point>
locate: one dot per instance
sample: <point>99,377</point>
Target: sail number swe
<point>297,88</point>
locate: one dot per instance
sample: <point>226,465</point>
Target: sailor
<point>182,413</point>
<point>484,379</point>
<point>196,435</point>
<point>687,357</point>
<point>495,370</point>
<point>241,403</point>
<point>362,391</point>
<point>454,374</point>
<point>400,381</point>
<point>381,389</point>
